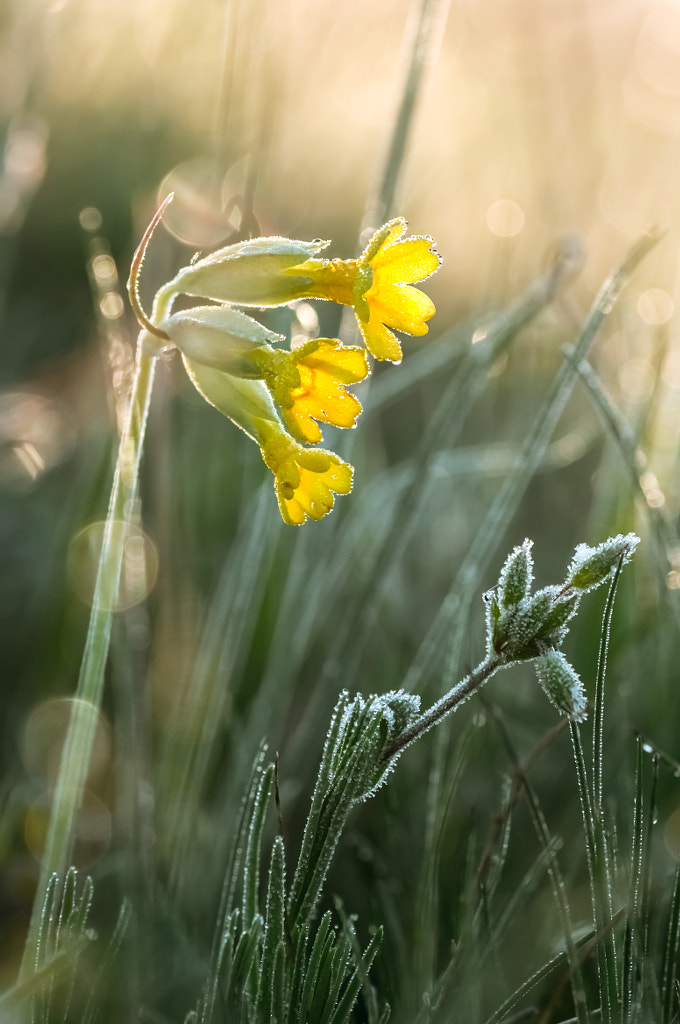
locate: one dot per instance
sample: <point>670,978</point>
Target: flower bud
<point>259,272</point>
<point>516,575</point>
<point>591,566</point>
<point>561,684</point>
<point>400,710</point>
<point>525,629</point>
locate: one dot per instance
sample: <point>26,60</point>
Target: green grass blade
<point>520,993</point>
<point>251,866</point>
<point>455,605</point>
<point>671,956</point>
<point>631,942</point>
<point>558,886</point>
<point>348,998</point>
<point>323,941</point>
<point>243,964</point>
<point>297,978</point>
<point>274,937</point>
<point>596,854</point>
<point>664,531</point>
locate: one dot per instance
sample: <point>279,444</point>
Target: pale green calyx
<point>247,403</point>
<point>259,272</point>
<point>219,337</point>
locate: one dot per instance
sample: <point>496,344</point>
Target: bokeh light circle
<point>44,734</point>
<point>505,218</point>
<point>139,568</point>
<point>92,829</point>
<point>655,306</point>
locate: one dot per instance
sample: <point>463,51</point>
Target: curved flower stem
<point>77,750</point>
<point>459,693</point>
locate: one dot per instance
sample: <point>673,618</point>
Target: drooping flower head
<point>305,479</point>
<point>279,397</point>
<point>308,383</point>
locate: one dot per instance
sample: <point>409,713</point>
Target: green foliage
<point>486,891</point>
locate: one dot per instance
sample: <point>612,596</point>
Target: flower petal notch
<point>305,479</point>
<point>309,385</point>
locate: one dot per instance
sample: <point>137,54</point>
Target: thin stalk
<point>77,750</point>
<point>598,716</point>
<point>554,872</point>
<point>631,940</point>
<point>596,854</point>
<point>459,693</point>
<point>670,960</point>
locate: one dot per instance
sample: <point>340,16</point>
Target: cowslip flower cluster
<point>278,396</point>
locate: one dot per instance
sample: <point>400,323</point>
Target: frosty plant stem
<point>459,693</point>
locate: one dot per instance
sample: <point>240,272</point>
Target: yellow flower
<point>309,383</point>
<point>379,286</point>
<point>305,479</point>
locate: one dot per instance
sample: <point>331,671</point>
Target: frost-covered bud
<point>591,566</point>
<point>524,630</point>
<point>259,272</point>
<point>516,575</point>
<point>400,709</point>
<point>563,608</point>
<point>561,684</point>
<point>219,337</point>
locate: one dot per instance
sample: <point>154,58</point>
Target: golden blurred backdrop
<point>534,119</point>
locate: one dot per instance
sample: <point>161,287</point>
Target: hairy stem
<point>459,693</point>
<point>80,736</point>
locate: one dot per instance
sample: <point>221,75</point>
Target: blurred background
<point>534,126</point>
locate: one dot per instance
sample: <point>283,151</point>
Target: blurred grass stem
<point>427,19</point>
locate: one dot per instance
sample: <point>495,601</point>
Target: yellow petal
<point>384,236</point>
<point>346,363</point>
<point>324,368</point>
<point>403,307</point>
<point>406,262</point>
<point>319,478</point>
<point>339,476</point>
<point>379,340</point>
<point>300,420</point>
